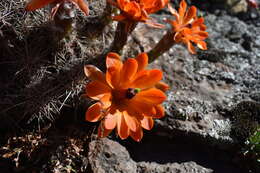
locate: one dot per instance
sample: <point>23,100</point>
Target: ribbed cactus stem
<point>162,46</point>
<point>123,30</point>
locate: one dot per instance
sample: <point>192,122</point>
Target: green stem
<point>123,30</point>
<point>162,46</point>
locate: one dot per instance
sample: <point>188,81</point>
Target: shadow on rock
<point>164,150</point>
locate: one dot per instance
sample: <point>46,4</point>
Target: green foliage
<point>252,147</point>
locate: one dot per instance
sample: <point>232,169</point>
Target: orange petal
<point>162,86</point>
<point>154,24</point>
<point>122,128</point>
<point>176,27</point>
<point>93,73</point>
<point>113,60</point>
<point>203,27</point>
<point>113,109</point>
<point>159,111</point>
<point>114,66</point>
<point>121,3</point>
<point>144,15</point>
<point>182,9</point>
<point>178,37</point>
<point>106,100</point>
<point>142,60</point>
<point>36,4</point>
<point>138,108</point>
<point>93,113</point>
<point>189,16</point>
<point>202,35</point>
<point>202,45</point>
<point>198,22</point>
<point>82,5</point>
<point>147,123</point>
<point>102,131</point>
<point>147,79</point>
<point>119,17</point>
<point>135,111</point>
<point>151,96</point>
<point>96,89</point>
<point>152,6</point>
<point>191,48</point>
<point>164,2</point>
<point>128,71</point>
<point>138,135</point>
<point>131,122</point>
<point>133,10</point>
<point>187,32</point>
<point>110,121</point>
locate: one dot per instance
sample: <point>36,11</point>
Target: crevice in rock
<point>180,149</point>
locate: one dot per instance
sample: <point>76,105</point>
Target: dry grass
<point>40,75</point>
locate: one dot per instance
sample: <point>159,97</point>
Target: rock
<point>107,156</point>
<point>187,167</point>
<point>204,85</point>
<point>237,6</point>
<point>245,119</point>
<point>233,7</point>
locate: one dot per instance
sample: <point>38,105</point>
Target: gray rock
<point>237,6</point>
<point>187,167</point>
<point>107,156</point>
<point>204,85</point>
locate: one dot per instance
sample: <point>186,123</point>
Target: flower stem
<point>123,30</point>
<point>162,46</point>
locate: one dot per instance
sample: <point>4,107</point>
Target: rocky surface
<point>191,167</point>
<point>206,86</point>
<point>237,6</point>
<point>212,95</point>
<point>109,156</point>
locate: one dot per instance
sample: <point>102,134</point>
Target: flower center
<point>120,97</point>
<point>131,92</point>
<point>189,25</point>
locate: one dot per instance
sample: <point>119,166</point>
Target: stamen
<point>189,25</point>
<point>131,92</point>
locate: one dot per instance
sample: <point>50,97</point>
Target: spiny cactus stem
<point>162,46</point>
<point>123,30</point>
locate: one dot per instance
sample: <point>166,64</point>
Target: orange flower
<point>36,4</point>
<point>127,95</point>
<point>188,28</point>
<point>138,10</point>
<point>194,34</point>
